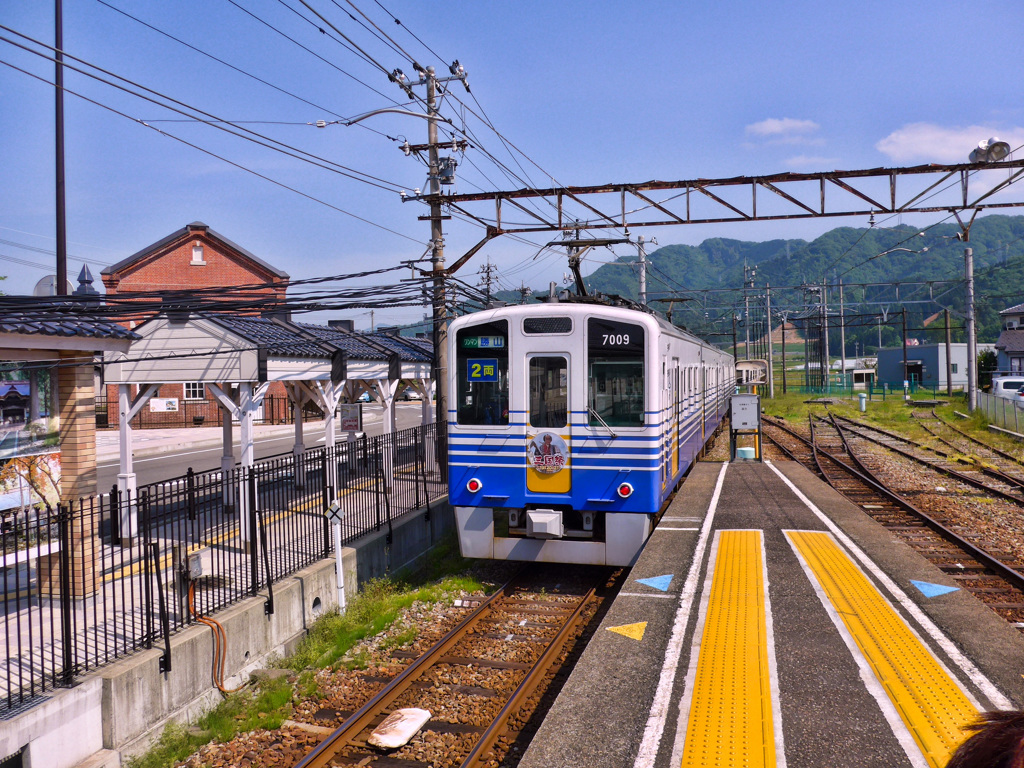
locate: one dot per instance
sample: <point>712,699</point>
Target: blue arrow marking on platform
<point>933,590</point>
<point>658,582</point>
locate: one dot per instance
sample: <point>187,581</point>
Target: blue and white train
<point>569,425</point>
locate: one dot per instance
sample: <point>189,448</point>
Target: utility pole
<point>842,331</point>
<point>748,284</point>
<point>972,341</point>
<point>783,354</point>
<point>437,257</point>
<point>642,258</point>
<point>906,372</point>
<point>524,293</point>
<point>771,365</point>
<point>487,280</point>
<point>58,82</point>
<point>949,357</point>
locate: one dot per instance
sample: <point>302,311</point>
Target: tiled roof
<point>276,339</point>
<point>58,323</point>
<point>1018,309</point>
<point>283,341</point>
<point>1011,340</point>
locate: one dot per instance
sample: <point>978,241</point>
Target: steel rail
<point>974,460</point>
<point>358,721</point>
<point>865,475</point>
<point>533,679</point>
<point>982,443</point>
<point>966,479</point>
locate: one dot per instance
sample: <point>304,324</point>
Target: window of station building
<point>549,391</point>
<point>481,364</point>
<point>615,360</point>
<point>195,390</point>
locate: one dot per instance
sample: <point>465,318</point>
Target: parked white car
<point>1007,386</point>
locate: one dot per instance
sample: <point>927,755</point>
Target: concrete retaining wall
<point>125,706</point>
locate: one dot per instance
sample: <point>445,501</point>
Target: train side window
<point>615,359</point>
<point>481,364</point>
<point>549,391</point>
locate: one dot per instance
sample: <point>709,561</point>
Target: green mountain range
<point>875,278</point>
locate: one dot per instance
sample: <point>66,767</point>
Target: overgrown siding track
<point>940,523</point>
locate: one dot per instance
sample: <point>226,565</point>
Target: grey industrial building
<point>926,365</point>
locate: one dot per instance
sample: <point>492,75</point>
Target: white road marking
<point>659,707</point>
<point>666,528</point>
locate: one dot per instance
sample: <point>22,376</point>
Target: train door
<point>548,438</point>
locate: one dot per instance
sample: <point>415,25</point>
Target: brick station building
<point>196,259</point>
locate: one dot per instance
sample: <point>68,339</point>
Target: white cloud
<point>937,144</point>
<point>786,127</point>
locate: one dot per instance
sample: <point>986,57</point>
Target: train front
<point>553,444</point>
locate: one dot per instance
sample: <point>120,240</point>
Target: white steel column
<point>127,482</point>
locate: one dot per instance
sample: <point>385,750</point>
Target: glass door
<point>547,434</point>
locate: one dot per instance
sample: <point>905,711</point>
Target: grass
<point>269,702</point>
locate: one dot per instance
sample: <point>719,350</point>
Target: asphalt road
<point>164,466</point>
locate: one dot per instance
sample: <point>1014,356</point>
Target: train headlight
<point>474,486</point>
<point>625,490</point>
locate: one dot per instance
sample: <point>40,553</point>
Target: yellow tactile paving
<point>730,721</point>
<point>931,704</point>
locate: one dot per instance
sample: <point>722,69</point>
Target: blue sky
<point>590,93</point>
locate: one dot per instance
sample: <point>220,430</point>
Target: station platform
<point>770,622</point>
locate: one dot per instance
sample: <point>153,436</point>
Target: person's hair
<point>997,742</point>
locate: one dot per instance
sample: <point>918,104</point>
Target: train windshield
<point>615,354</point>
<point>481,361</point>
<point>549,391</point>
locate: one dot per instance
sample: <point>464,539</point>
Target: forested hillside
<point>849,254</point>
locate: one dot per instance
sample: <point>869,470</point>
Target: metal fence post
<point>254,541</point>
<point>67,675</point>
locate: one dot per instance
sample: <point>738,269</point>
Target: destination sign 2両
<point>483,342</point>
<point>482,370</point>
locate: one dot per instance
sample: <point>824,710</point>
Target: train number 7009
<point>615,339</point>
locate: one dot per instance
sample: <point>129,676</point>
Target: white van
<point>1007,386</point>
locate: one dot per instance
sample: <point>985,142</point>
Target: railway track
<point>479,682</point>
<point>999,583</point>
<point>971,448</point>
<point>974,474</point>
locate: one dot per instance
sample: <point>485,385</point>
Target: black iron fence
<point>94,580</point>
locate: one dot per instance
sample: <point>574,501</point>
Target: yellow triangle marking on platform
<point>635,631</point>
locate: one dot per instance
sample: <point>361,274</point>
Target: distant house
<point>1010,344</point>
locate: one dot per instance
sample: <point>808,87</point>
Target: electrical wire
<point>216,156</point>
